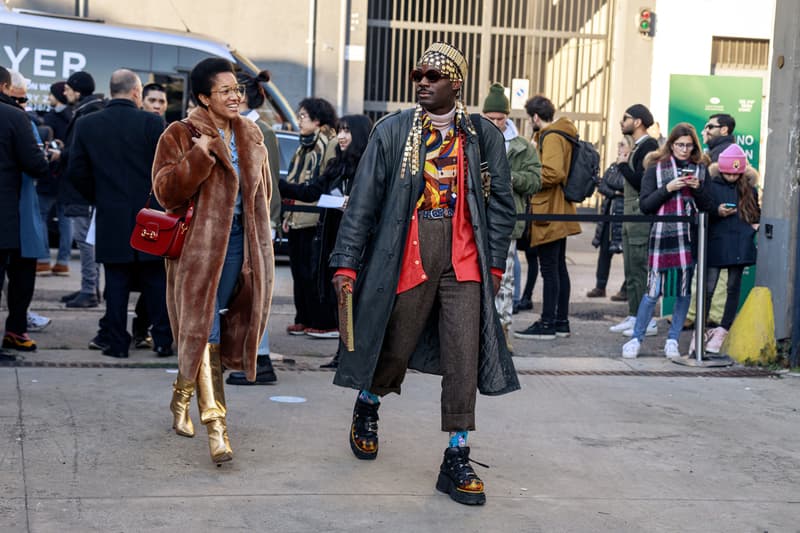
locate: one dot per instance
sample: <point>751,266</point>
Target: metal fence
<point>563,48</point>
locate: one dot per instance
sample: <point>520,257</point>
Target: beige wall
<point>631,70</point>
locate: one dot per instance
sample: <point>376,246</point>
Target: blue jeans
<point>234,257</point>
<point>517,278</point>
<point>64,228</point>
<point>648,305</point>
<point>263,346</point>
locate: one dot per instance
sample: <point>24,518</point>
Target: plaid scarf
<point>671,242</point>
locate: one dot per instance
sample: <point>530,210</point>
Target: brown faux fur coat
<point>182,171</point>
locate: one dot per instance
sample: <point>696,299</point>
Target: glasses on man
<point>684,146</point>
<point>711,126</point>
<point>225,92</point>
<point>626,117</point>
<point>432,75</point>
<point>20,99</point>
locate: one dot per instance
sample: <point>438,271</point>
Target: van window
<point>175,85</point>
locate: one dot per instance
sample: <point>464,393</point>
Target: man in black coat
<point>79,89</point>
<point>718,134</point>
<point>18,153</point>
<point>110,163</point>
<point>424,249</point>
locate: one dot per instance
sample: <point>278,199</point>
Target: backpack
<point>584,169</point>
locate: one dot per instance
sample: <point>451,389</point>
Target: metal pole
<point>700,287</point>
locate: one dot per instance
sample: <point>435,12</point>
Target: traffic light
<point>646,19</point>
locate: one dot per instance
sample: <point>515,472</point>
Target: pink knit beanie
<point>732,160</point>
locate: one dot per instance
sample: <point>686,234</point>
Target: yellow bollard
<point>751,340</point>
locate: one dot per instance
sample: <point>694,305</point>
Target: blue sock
<point>367,397</point>
<point>458,439</point>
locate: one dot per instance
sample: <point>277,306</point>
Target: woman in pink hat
<point>733,222</point>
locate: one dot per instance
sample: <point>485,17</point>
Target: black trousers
<point>152,278</point>
<point>733,290</point>
<point>555,280</point>
<point>604,257</point>
<point>532,257</point>
<point>312,310</point>
<point>21,272</point>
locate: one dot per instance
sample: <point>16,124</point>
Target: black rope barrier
<point>549,217</point>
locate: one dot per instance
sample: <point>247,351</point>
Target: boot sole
<point>445,484</point>
<point>222,458</point>
<point>182,433</point>
<point>541,337</point>
<point>358,452</point>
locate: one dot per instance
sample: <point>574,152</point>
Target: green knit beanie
<point>496,101</point>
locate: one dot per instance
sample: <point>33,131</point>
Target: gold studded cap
<point>446,59</point>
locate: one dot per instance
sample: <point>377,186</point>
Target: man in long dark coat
<point>110,164</point>
<point>424,245</point>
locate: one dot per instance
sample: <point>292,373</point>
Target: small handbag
<point>160,233</point>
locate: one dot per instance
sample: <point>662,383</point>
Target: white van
<point>47,48</point>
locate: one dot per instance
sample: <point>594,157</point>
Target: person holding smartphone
<point>733,222</point>
<point>673,184</point>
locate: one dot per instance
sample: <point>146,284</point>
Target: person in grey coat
<point>424,249</point>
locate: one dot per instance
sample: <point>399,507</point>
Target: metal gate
<point>562,46</point>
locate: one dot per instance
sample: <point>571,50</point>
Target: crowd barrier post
<point>700,287</point>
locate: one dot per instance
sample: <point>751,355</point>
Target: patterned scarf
<point>671,242</point>
<point>441,166</point>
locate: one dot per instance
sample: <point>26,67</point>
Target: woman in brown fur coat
<point>219,289</point>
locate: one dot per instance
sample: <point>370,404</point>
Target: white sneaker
<point>717,337</point>
<point>651,331</point>
<point>625,324</point>
<point>671,349</point>
<point>630,350</point>
<point>37,322</point>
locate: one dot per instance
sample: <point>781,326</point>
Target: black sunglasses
<point>432,75</point>
<point>20,99</point>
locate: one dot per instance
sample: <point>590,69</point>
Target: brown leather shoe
<point>42,268</point>
<point>60,270</point>
<point>619,297</point>
<point>596,293</point>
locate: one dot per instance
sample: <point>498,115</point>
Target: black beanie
<point>57,90</point>
<point>81,82</point>
<point>642,113</point>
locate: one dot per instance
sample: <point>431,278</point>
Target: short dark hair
<point>5,76</point>
<point>726,120</point>
<point>321,110</point>
<point>153,87</point>
<point>203,74</point>
<point>253,91</point>
<point>542,106</point>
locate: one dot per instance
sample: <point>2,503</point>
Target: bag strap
<point>193,132</point>
<point>476,121</point>
<point>570,138</point>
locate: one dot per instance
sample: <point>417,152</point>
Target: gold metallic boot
<point>211,401</point>
<point>182,391</point>
<point>219,389</point>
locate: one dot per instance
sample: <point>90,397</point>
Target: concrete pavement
<point>88,445</point>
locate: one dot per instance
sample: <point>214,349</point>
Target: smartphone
<point>729,206</point>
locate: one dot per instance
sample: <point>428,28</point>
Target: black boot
<point>265,374</point>
<point>458,479</point>
<point>364,430</point>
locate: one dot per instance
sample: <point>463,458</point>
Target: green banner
<point>693,99</point>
